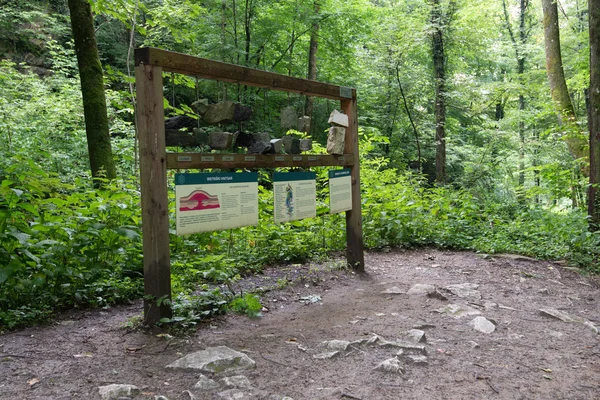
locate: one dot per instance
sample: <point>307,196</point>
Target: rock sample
<point>289,118</point>
<point>226,111</point>
<point>261,144</point>
<point>201,137</point>
<point>277,145</point>
<point>304,123</point>
<point>214,360</point>
<point>220,140</point>
<point>291,144</point>
<point>305,144</point>
<point>244,139</point>
<point>200,106</point>
<point>336,140</point>
<point>175,137</point>
<point>338,118</point>
<point>180,122</point>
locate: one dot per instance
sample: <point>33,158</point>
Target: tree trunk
<point>519,47</point>
<point>439,67</point>
<point>594,115</point>
<point>92,89</point>
<point>312,57</point>
<point>558,85</point>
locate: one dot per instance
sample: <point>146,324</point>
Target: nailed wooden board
<point>210,69</point>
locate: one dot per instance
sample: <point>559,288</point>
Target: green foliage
<point>249,305</point>
<point>61,247</point>
<point>189,310</point>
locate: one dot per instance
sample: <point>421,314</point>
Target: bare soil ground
<point>528,356</point>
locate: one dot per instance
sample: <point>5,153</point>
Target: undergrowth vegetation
<point>68,245</point>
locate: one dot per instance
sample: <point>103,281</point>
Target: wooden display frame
<point>154,160</point>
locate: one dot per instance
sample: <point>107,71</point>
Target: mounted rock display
<point>226,111</point>
<point>336,140</point>
<point>289,118</point>
<point>304,123</point>
<point>291,144</point>
<point>220,140</point>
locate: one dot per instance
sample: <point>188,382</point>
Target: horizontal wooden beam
<point>210,69</point>
<point>209,160</point>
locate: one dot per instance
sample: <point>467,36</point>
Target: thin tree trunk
<point>92,89</point>
<point>594,115</point>
<point>519,48</point>
<point>558,85</point>
<point>439,67</point>
<point>312,57</point>
<point>412,122</point>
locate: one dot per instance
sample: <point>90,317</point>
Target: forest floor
<point>529,355</point>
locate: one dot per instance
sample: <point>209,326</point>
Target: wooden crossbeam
<point>209,69</point>
<point>202,161</point>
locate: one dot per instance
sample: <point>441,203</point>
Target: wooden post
<point>354,235</point>
<point>153,180</point>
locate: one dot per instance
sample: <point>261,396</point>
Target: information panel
<point>340,191</point>
<point>215,201</point>
<point>295,196</point>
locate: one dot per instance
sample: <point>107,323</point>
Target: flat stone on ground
<point>391,365</point>
<point>483,325</point>
<point>457,310</point>
<point>421,289</point>
<point>417,358</point>
<point>238,381</point>
<point>415,335</point>
<point>563,316</point>
<point>232,394</point>
<point>115,391</point>
<point>335,345</point>
<point>205,384</point>
<point>465,290</point>
<point>393,290</point>
<point>326,355</point>
<point>214,360</point>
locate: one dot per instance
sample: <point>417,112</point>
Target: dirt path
<point>530,355</point>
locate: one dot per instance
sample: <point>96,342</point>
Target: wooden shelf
<point>210,160</point>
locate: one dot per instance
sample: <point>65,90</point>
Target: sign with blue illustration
<point>340,191</point>
<point>215,201</point>
<point>295,196</point>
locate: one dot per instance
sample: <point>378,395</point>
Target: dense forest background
<point>461,142</point>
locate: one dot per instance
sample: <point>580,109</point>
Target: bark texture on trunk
<point>439,68</point>
<point>558,86</point>
<point>312,57</point>
<point>594,115</point>
<point>92,89</point>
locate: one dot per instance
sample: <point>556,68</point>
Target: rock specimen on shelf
<point>338,118</point>
<point>305,144</point>
<point>291,144</point>
<point>336,140</point>
<point>180,122</point>
<point>220,140</point>
<point>289,118</point>
<point>226,111</point>
<point>277,145</point>
<point>304,123</point>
